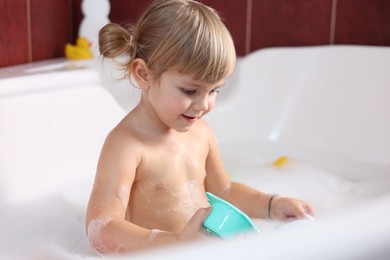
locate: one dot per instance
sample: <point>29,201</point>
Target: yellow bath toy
<point>281,161</point>
<point>79,51</point>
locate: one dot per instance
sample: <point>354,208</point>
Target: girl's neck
<point>148,122</point>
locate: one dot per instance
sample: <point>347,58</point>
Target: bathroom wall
<point>33,30</point>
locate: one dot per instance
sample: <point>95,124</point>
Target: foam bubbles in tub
<point>48,228</point>
<point>53,226</point>
<point>329,191</point>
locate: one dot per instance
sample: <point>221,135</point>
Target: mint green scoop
<point>226,220</point>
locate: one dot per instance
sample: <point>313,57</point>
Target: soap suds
<point>95,228</point>
<point>52,227</point>
<point>190,199</point>
<point>123,195</point>
<point>226,191</point>
<point>153,234</point>
<point>147,198</point>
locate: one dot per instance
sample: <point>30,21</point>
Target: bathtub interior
<point>322,107</point>
<point>333,99</point>
<point>51,132</point>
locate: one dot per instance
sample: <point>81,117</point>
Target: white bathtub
<point>325,108</point>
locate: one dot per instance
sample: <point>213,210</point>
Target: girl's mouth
<point>190,118</point>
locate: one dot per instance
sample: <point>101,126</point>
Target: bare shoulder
<point>123,142</point>
<point>203,128</point>
<point>115,173</point>
<point>121,153</point>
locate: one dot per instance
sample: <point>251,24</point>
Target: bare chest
<point>174,162</point>
<point>169,185</point>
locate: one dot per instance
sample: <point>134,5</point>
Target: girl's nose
<point>201,103</point>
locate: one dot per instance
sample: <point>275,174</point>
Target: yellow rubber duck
<point>79,51</point>
<point>281,161</point>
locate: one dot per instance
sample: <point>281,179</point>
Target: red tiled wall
<point>51,28</point>
<point>234,14</point>
<point>257,24</point>
<point>33,30</point>
<point>292,23</point>
<point>124,11</point>
<point>13,32</point>
<point>363,22</point>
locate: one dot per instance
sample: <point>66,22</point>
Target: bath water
<point>53,226</point>
<point>329,182</point>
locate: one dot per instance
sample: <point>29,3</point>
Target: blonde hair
<point>173,34</point>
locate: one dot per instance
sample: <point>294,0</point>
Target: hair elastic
<point>270,203</point>
<point>131,40</point>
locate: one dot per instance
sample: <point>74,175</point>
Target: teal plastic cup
<point>226,220</point>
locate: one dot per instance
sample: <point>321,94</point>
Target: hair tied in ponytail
<point>131,40</point>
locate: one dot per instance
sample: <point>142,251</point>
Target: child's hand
<point>283,208</point>
<point>193,227</point>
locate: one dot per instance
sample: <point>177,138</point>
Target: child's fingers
<point>296,209</point>
<point>305,211</point>
<point>199,216</point>
<point>195,223</point>
<point>309,210</point>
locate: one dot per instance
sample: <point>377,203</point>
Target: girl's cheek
<point>211,104</point>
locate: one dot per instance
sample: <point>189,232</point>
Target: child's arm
<point>254,203</point>
<point>107,230</point>
<point>262,205</point>
<point>109,236</point>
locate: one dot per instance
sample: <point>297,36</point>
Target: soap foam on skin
<point>190,199</point>
<point>145,195</point>
<point>226,191</point>
<point>154,233</point>
<point>123,195</point>
<point>95,228</point>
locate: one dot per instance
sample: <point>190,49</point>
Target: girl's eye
<point>214,92</point>
<point>188,92</point>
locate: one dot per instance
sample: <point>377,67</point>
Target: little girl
<point>159,161</point>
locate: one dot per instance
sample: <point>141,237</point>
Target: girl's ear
<point>140,73</point>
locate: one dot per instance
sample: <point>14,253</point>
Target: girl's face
<point>178,100</point>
